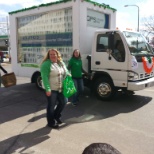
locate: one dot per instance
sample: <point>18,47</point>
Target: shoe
<point>59,121</point>
<point>55,126</point>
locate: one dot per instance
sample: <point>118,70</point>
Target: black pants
<point>56,104</point>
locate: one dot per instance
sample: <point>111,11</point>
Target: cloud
<point>3,13</point>
<point>146,9</point>
<point>13,5</point>
<point>128,18</point>
<point>24,3</point>
<point>29,3</point>
<point>124,21</point>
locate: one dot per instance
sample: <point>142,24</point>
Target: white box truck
<point>116,60</point>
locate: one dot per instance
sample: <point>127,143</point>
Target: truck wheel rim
<point>39,82</point>
<point>104,89</point>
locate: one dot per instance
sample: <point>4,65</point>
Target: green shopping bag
<point>68,87</point>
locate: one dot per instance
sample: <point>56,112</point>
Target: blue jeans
<point>56,104</point>
<point>78,82</point>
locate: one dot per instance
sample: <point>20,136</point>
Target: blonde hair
<point>59,58</point>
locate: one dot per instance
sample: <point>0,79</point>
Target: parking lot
<point>125,122</point>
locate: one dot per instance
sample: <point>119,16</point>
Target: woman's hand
<point>48,93</point>
<point>87,74</point>
<point>69,74</point>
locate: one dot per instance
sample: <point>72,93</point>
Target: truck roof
<point>62,1</point>
<point>106,30</point>
<point>110,30</point>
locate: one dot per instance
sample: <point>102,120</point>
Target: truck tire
<point>104,89</point>
<point>38,81</point>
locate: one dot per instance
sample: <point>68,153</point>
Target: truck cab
<point>120,60</point>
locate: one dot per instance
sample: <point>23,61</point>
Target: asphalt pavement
<point>126,122</point>
<point>23,124</point>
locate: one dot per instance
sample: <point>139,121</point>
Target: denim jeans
<point>78,82</point>
<point>56,104</point>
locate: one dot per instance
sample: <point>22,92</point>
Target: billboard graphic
<point>97,19</point>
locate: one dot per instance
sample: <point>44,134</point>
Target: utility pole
<point>138,14</point>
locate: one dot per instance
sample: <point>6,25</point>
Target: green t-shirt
<point>75,66</point>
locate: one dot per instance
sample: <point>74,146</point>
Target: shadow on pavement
<point>21,100</point>
<point>92,109</point>
<point>24,141</point>
<point>25,99</point>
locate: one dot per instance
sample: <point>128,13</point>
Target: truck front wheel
<point>104,89</point>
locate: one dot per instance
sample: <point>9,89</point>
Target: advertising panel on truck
<point>40,32</point>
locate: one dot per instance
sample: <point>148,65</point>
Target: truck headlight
<point>133,76</point>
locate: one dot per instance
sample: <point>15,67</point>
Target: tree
<point>148,26</point>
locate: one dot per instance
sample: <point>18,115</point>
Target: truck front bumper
<point>140,85</point>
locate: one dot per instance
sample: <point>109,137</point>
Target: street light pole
<point>138,14</point>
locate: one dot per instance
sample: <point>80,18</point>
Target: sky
<point>126,17</point>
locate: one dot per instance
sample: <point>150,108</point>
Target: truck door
<point>109,53</point>
<point>110,56</point>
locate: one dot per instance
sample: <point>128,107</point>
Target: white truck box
<point>34,30</point>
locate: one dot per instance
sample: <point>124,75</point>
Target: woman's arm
<point>3,69</point>
<point>45,73</point>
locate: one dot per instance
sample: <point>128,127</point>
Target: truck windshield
<point>137,44</point>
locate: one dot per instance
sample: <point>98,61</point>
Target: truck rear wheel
<point>104,89</point>
<point>38,81</point>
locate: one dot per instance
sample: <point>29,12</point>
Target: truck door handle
<point>97,63</point>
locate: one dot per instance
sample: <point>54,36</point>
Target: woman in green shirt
<point>75,65</point>
<point>53,71</point>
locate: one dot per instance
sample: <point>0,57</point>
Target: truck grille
<point>146,75</point>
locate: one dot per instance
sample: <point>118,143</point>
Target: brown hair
<point>59,58</point>
<point>74,51</point>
